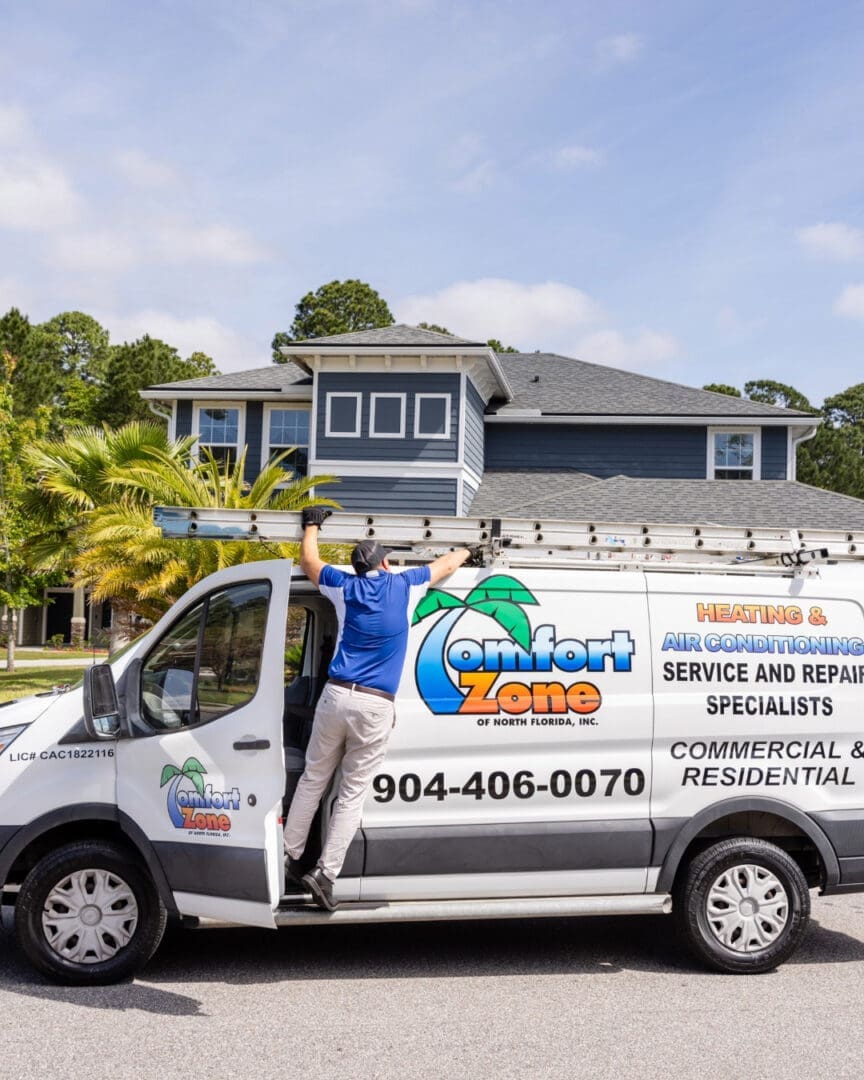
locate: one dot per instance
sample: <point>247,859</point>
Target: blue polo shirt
<point>374,612</point>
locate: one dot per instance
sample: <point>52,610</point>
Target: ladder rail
<point>531,539</point>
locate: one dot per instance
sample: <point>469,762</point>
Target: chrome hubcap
<point>89,916</point>
<point>747,908</point>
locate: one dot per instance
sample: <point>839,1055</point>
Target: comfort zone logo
<point>193,804</point>
<point>475,675</point>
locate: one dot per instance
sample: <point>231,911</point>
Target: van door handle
<point>252,744</point>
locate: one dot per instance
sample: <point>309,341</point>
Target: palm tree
<point>73,478</point>
<point>107,483</point>
<point>500,597</point>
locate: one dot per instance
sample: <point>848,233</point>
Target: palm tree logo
<point>193,770</point>
<point>500,597</point>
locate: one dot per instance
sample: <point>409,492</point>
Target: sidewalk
<point>60,662</point>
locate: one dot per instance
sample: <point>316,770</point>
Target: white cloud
<point>98,250</point>
<point>638,349</point>
<point>576,157</point>
<point>850,302</point>
<point>832,240</point>
<point>619,49</point>
<point>526,316</point>
<point>551,316</point>
<point>143,170</point>
<point>199,333</point>
<point>177,243</point>
<point>181,243</point>
<point>35,194</point>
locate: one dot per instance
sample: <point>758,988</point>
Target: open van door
<point>203,774</point>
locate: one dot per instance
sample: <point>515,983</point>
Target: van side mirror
<point>101,708</point>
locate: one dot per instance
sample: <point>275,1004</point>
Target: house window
<point>432,416</point>
<point>387,420</point>
<point>733,454</point>
<point>285,429</point>
<point>342,415</point>
<point>220,430</point>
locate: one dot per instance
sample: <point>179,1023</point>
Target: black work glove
<point>315,515</point>
<point>476,557</point>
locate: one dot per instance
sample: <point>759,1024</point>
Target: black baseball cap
<point>368,555</point>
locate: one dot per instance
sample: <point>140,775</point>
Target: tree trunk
<point>78,628</point>
<point>11,630</point>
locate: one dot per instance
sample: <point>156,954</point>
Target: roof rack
<point>510,541</point>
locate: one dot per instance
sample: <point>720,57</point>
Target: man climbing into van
<point>356,711</point>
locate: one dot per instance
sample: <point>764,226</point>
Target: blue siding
<point>774,443</point>
<point>254,426</point>
<point>468,493</point>
<point>184,418</point>
<point>394,495</point>
<point>474,437</point>
<point>368,449</point>
<point>600,449</point>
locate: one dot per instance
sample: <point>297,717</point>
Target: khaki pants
<point>351,730</point>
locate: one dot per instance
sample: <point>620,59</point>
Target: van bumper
<point>845,830</point>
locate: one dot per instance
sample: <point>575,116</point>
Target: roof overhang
<point>226,392</point>
<point>536,417</point>
<point>311,359</point>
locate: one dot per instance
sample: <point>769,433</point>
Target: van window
<point>209,662</point>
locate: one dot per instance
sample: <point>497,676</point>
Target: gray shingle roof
<point>573,496</point>
<point>558,385</point>
<point>504,492</point>
<point>274,377</point>
<point>398,334</point>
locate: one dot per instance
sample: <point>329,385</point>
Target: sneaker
<point>321,888</point>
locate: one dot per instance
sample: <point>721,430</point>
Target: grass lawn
<point>26,681</point>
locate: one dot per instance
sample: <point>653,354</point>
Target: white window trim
<point>266,445</point>
<point>328,431</point>
<point>448,407</point>
<point>400,434</point>
<point>728,429</point>
<point>197,406</point>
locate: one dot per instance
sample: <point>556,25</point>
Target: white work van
<point>614,734</point>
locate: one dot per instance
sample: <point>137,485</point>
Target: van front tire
<point>742,906</point>
<point>88,915</point>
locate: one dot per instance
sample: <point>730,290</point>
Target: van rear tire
<point>742,906</point>
<point>88,914</point>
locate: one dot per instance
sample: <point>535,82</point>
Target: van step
<point>292,913</point>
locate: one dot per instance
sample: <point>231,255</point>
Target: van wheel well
<point>57,837</point>
<point>765,826</point>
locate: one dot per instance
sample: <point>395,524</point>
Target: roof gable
<point>398,334</point>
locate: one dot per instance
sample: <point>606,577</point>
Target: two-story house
<point>413,421</point>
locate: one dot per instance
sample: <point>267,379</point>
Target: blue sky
<point>672,188</point>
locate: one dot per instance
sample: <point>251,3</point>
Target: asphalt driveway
<point>553,998</point>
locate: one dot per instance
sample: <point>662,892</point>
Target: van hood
<point>26,710</point>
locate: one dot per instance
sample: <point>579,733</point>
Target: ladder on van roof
<point>531,541</point>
